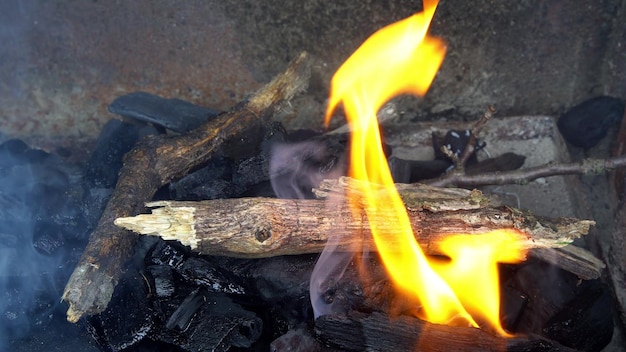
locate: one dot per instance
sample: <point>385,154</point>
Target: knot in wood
<point>262,234</point>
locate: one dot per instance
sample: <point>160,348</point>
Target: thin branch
<point>478,126</point>
<point>523,176</point>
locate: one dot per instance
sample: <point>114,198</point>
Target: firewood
<point>378,332</point>
<point>263,227</point>
<point>155,161</point>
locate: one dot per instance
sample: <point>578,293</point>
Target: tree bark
<point>155,161</point>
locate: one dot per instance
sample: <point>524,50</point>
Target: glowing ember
<point>398,59</point>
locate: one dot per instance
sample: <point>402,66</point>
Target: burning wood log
<point>378,332</point>
<point>263,227</point>
<point>156,161</point>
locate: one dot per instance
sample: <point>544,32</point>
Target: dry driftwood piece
<point>156,161</point>
<point>264,227</point>
<point>378,332</point>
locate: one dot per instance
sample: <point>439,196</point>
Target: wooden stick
<point>156,161</point>
<point>264,227</point>
<point>522,176</point>
<point>378,332</point>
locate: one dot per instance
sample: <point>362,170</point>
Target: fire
<point>402,59</point>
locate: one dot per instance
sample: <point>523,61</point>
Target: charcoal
<point>587,123</point>
<point>218,324</point>
<point>39,222</point>
<point>162,280</point>
<point>280,278</point>
<point>128,318</point>
<point>174,114</point>
<point>115,140</point>
<point>586,322</point>
<point>166,253</point>
<point>38,156</point>
<point>210,276</point>
<point>356,331</point>
<point>14,210</point>
<point>546,288</point>
<point>47,238</point>
<point>22,308</point>
<point>252,171</point>
<point>104,165</point>
<point>282,285</point>
<point>12,147</point>
<point>296,340</point>
<point>93,203</point>
<point>11,154</point>
<point>341,287</point>
<point>181,318</point>
<point>243,170</point>
<point>213,181</point>
<point>512,305</point>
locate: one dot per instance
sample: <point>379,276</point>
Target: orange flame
<point>398,59</point>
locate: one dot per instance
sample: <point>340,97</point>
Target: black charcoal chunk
<point>22,309</point>
<point>210,276</point>
<point>546,290</point>
<point>169,254</point>
<point>116,139</point>
<point>586,323</point>
<point>279,279</point>
<point>128,318</point>
<point>252,171</point>
<point>162,280</point>
<point>38,222</point>
<point>174,114</point>
<point>213,181</point>
<point>217,324</point>
<point>513,304</point>
<point>587,123</point>
<point>296,340</point>
<point>48,238</point>
<point>181,318</point>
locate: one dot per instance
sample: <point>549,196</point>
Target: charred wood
<point>377,332</point>
<point>586,322</point>
<point>297,340</point>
